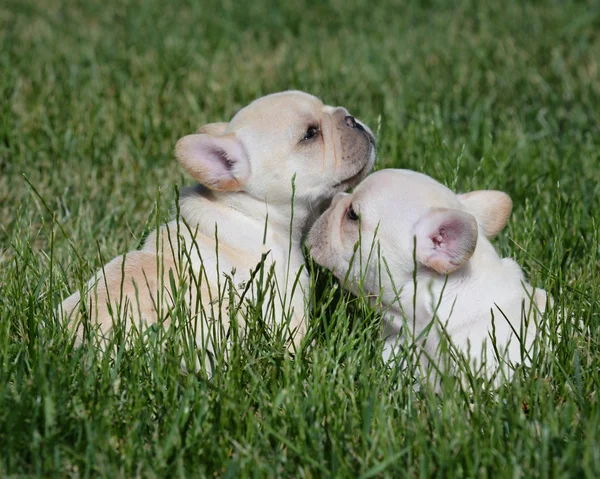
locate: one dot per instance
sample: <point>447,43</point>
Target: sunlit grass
<point>502,95</point>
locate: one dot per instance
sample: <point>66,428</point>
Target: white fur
<point>245,169</point>
<point>477,284</point>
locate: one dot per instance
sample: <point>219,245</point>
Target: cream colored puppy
<point>460,279</point>
<point>243,200</point>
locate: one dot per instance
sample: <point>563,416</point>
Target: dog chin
<point>355,178</point>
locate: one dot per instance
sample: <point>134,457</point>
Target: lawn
<point>93,97</point>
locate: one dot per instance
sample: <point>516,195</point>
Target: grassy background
<point>93,96</point>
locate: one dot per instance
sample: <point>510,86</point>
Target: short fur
<point>244,170</point>
<point>451,233</point>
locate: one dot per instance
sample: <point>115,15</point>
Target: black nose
<point>351,122</point>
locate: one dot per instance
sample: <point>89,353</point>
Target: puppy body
<point>241,208</point>
<point>486,298</point>
<point>461,281</point>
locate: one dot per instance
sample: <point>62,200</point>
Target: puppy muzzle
<point>354,123</point>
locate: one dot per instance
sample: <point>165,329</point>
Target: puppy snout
<point>351,122</point>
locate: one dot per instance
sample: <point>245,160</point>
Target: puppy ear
<point>219,162</point>
<point>446,239</point>
<point>491,208</point>
<point>213,128</point>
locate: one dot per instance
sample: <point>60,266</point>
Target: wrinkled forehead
<point>397,191</point>
<point>279,108</point>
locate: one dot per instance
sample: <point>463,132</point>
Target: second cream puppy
<point>242,206</point>
<point>462,284</point>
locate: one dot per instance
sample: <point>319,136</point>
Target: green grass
<point>94,95</point>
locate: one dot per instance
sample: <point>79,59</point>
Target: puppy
<point>463,288</point>
<point>282,147</point>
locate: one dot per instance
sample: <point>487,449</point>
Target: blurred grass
<point>93,96</point>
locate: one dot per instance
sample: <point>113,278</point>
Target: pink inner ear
<point>218,162</point>
<point>447,235</point>
<point>221,155</point>
<point>446,239</point>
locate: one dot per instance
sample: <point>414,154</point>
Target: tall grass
<point>93,96</point>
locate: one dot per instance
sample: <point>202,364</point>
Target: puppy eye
<point>351,214</point>
<point>311,132</point>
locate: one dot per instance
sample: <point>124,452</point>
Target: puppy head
<point>391,209</point>
<point>277,138</point>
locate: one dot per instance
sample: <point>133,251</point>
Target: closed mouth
<point>353,179</point>
<point>368,134</point>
